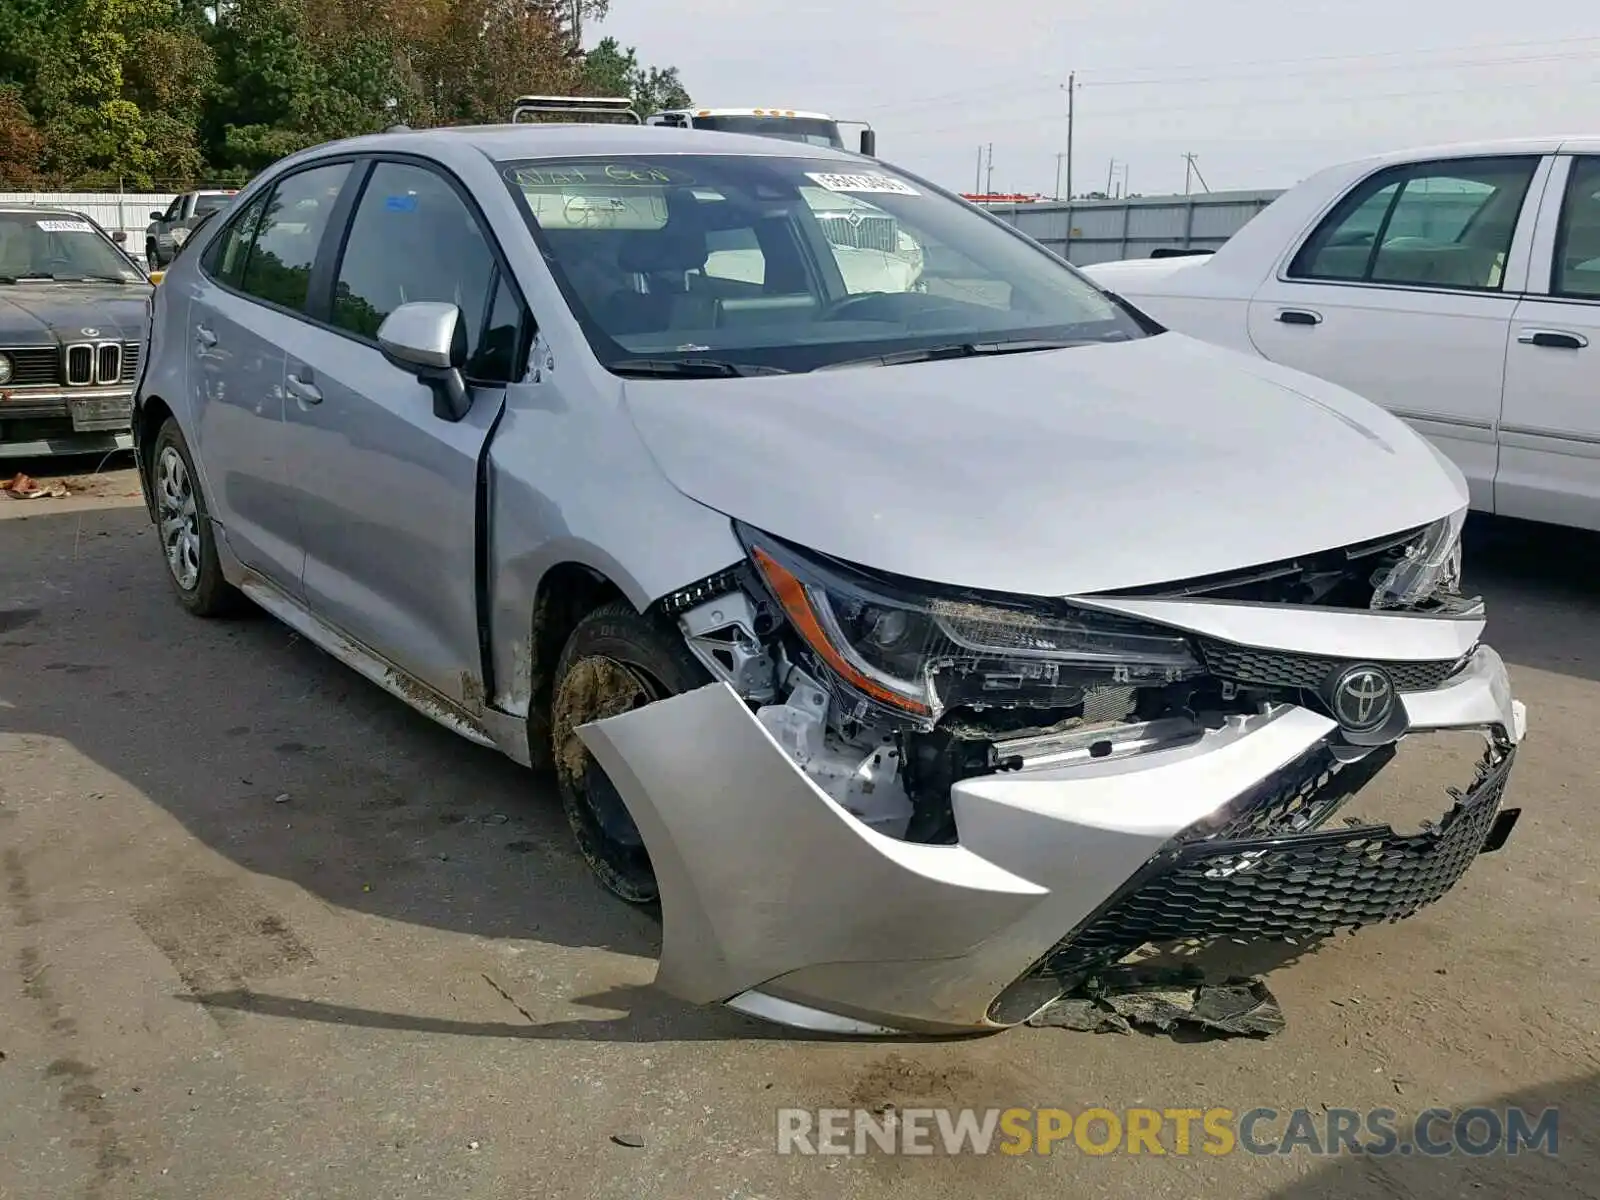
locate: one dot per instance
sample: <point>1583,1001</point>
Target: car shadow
<point>275,755</point>
<point>1542,591</point>
<point>1568,1172</point>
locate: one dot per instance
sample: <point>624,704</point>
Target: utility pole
<point>1195,165</point>
<point>1072,87</point>
<point>977,178</point>
<point>1059,157</point>
<point>1111,170</point>
<point>1188,171</point>
<point>989,183</point>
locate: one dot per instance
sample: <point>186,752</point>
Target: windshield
<point>58,246</point>
<point>791,264</point>
<point>810,130</point>
<point>206,204</point>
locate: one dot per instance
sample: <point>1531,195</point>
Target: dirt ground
<point>264,932</point>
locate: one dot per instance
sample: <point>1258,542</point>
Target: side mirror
<point>869,143</point>
<point>429,339</point>
<point>158,216</point>
<point>119,236</point>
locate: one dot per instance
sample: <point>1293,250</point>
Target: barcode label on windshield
<point>64,226</point>
<point>861,183</point>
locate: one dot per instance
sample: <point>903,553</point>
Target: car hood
<point>43,314</point>
<point>1054,473</point>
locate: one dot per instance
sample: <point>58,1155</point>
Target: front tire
<point>151,256</point>
<point>616,659</point>
<point>183,521</point>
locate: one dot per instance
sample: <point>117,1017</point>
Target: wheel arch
<point>566,592</point>
<point>152,413</point>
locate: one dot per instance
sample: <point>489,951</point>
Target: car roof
<point>1571,143</point>
<point>33,210</point>
<point>502,143</point>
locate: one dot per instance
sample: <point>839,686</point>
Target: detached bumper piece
<point>1252,881</point>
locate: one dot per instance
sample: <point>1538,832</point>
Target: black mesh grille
<point>33,367</point>
<point>130,361</point>
<point>1275,668</point>
<point>1286,887</point>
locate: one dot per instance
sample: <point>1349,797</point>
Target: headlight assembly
<point>1431,567</point>
<point>919,655</point>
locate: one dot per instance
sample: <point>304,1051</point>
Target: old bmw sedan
<point>72,322</point>
<point>920,646</point>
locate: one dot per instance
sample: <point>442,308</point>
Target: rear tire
<point>151,257</point>
<point>616,659</point>
<point>183,524</point>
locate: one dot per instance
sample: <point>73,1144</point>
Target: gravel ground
<point>264,932</point>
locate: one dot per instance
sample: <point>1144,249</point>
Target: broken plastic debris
<point>281,798</point>
<point>496,819</point>
<point>633,1140</point>
<point>1172,1002</point>
<point>25,487</point>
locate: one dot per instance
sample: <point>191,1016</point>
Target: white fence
<point>127,211</point>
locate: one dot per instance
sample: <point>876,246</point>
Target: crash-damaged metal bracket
<point>761,872</point>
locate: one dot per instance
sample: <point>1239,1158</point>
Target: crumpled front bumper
<point>778,902</point>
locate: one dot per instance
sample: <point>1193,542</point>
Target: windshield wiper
<point>690,368</point>
<point>27,276</point>
<point>960,350</point>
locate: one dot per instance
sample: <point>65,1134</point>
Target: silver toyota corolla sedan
<point>919,626</point>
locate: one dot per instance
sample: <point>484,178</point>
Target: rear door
<point>1402,293</point>
<point>249,304</point>
<point>1550,429</point>
<point>388,491</point>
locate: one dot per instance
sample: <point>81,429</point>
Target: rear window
<point>206,204</point>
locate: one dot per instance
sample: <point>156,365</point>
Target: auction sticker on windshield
<point>64,226</point>
<point>861,183</point>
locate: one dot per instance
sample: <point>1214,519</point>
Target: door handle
<point>204,336</point>
<point>304,390</point>
<point>1553,339</point>
<point>1299,316</point>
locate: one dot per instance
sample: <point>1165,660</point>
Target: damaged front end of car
<point>904,807</point>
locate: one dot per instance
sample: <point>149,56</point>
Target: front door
<point>388,491</point>
<point>1400,295</point>
<point>1550,430</point>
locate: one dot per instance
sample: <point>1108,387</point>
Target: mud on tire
<point>616,659</point>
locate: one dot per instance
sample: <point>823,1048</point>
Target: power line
<point>1011,88</point>
<point>1321,97</point>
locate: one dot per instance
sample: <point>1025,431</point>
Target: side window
<point>414,239</point>
<point>279,267</point>
<point>735,255</point>
<point>1577,263</point>
<point>873,251</point>
<point>225,257</point>
<point>1438,224</point>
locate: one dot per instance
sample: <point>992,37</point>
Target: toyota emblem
<point>1362,698</point>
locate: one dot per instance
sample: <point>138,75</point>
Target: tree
<point>135,93</point>
<point>609,70</point>
<point>21,143</point>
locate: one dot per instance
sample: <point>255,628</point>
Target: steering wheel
<point>882,306</point>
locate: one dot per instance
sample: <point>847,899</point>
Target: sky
<point>1262,92</point>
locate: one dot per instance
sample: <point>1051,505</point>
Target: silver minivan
<point>919,639</point>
